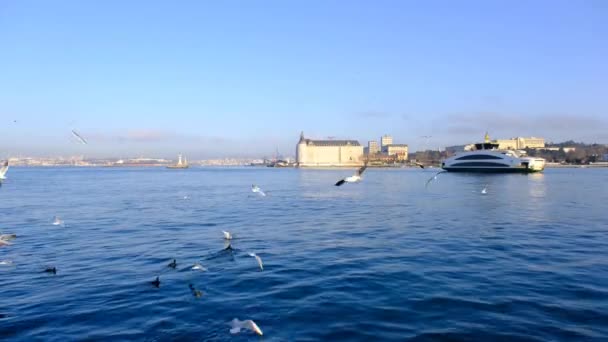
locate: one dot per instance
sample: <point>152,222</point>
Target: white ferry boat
<point>486,157</point>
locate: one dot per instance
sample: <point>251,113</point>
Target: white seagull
<point>57,221</point>
<point>7,237</point>
<point>3,171</point>
<point>257,257</point>
<point>256,189</point>
<point>4,243</point>
<point>484,190</point>
<point>227,235</point>
<point>198,267</point>
<point>6,263</point>
<point>354,178</point>
<point>79,137</point>
<point>246,324</point>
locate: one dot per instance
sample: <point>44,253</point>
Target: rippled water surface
<point>386,259</point>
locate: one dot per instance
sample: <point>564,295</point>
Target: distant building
<point>386,140</point>
<point>455,148</point>
<point>569,149</point>
<point>372,147</point>
<point>399,150</point>
<point>520,143</point>
<point>311,152</point>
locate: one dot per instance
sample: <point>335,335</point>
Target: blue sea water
<point>386,259</point>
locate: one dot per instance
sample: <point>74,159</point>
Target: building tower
<point>386,140</point>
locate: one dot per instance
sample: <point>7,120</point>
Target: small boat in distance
<point>180,164</point>
<point>486,157</point>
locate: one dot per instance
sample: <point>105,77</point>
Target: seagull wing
<point>433,178</point>
<point>340,182</point>
<point>79,137</point>
<point>361,170</point>
<point>259,262</point>
<point>4,169</point>
<point>251,325</point>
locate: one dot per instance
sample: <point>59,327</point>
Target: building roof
<point>328,142</point>
<point>332,142</point>
<point>396,145</point>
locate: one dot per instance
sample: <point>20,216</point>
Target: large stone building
<point>399,150</point>
<point>323,153</point>
<point>520,143</point>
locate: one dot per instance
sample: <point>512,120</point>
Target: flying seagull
<point>433,178</point>
<point>57,221</point>
<point>4,243</point>
<point>3,171</point>
<point>354,178</point>
<point>257,257</point>
<point>227,235</point>
<point>246,324</point>
<point>256,189</point>
<point>79,137</point>
<point>484,190</point>
<point>420,165</point>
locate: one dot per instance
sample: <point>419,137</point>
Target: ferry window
<point>478,157</point>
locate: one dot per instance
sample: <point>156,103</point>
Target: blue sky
<point>241,78</point>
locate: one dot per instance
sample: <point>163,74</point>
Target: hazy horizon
<point>242,79</point>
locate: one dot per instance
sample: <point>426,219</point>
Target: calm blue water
<point>386,259</point>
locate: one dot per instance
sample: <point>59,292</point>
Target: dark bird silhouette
<point>196,293</point>
<point>420,165</point>
<point>173,264</point>
<point>156,282</point>
<point>51,270</point>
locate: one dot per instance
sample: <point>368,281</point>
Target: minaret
<point>300,150</point>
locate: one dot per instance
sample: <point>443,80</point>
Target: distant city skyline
<point>241,79</point>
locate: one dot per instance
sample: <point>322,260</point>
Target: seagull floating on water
<point>246,324</point>
<point>173,264</point>
<point>354,178</point>
<point>196,293</point>
<point>227,235</point>
<point>433,178</point>
<point>3,171</point>
<point>6,263</point>
<point>198,267</point>
<point>7,237</point>
<point>51,270</point>
<point>156,282</point>
<point>79,137</point>
<point>256,189</point>
<point>57,221</point>
<point>257,257</point>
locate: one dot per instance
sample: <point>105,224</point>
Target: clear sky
<point>241,78</point>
